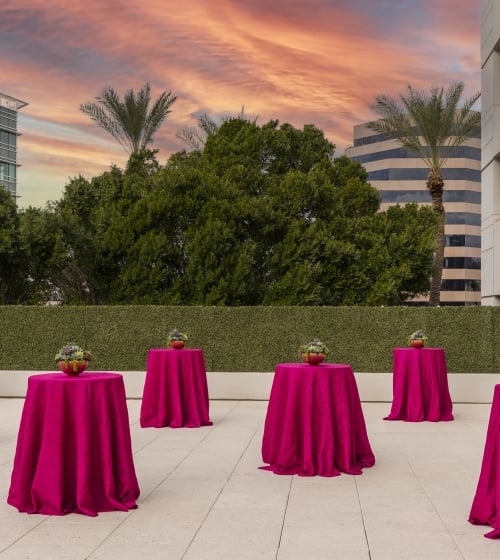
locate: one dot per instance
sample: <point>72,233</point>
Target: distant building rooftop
<point>11,102</point>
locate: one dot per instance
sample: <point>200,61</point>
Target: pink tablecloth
<point>314,423</point>
<point>175,389</point>
<point>74,452</point>
<point>485,508</point>
<point>420,386</point>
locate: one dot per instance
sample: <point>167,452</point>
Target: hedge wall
<point>248,338</point>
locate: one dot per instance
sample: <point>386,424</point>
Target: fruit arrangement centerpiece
<point>72,359</point>
<point>314,352</point>
<point>177,339</point>
<point>417,339</point>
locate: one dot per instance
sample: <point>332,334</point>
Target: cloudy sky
<point>310,61</point>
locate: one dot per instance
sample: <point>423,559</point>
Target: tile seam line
<point>218,496</point>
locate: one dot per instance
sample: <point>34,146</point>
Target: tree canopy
<point>12,257</point>
<point>263,215</point>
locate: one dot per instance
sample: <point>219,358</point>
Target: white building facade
<point>490,152</point>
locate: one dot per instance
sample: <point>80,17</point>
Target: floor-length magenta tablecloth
<point>485,508</point>
<point>175,390</point>
<point>420,386</point>
<point>74,452</point>
<point>314,423</point>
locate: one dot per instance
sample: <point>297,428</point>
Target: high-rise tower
<point>8,142</point>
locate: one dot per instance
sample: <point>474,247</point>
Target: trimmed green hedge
<point>248,338</point>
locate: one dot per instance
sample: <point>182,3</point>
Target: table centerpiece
<point>177,339</point>
<point>417,339</point>
<point>314,352</point>
<point>72,359</point>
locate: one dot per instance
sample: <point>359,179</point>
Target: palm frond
<point>158,113</point>
<point>129,121</point>
<point>425,123</point>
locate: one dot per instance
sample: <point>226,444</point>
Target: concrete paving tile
<point>474,546</point>
<point>323,521</point>
<point>10,533</point>
<point>70,534</point>
<point>413,546</point>
<point>174,535</point>
<point>251,459</point>
<point>111,519</point>
<point>237,532</point>
<point>54,551</point>
<point>254,491</point>
<point>178,496</point>
<point>170,517</point>
<point>245,521</point>
<point>312,499</point>
<point>11,516</point>
<point>322,543</point>
<point>133,552</point>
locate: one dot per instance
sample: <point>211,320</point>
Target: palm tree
<point>430,125</point>
<point>130,121</point>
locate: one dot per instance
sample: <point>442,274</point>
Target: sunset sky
<point>311,61</point>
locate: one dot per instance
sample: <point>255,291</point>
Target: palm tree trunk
<point>435,185</point>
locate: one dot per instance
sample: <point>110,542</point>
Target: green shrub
<point>248,338</point>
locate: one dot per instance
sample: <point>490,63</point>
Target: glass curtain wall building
<point>401,177</point>
<point>8,142</point>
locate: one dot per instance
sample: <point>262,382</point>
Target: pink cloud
<point>319,62</point>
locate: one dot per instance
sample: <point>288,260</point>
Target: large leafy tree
<point>430,125</point>
<point>115,244</point>
<point>399,257</point>
<point>41,234</point>
<point>131,121</point>
<point>281,222</point>
<point>13,272</point>
<point>99,226</point>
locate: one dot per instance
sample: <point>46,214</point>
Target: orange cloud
<point>320,62</point>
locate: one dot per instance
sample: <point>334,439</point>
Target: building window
<point>421,174</point>
<point>467,152</point>
<point>8,118</point>
<point>7,171</point>
<point>462,262</point>
<point>463,241</point>
<point>371,139</point>
<point>471,197</point>
<point>402,196</point>
<point>461,286</point>
<point>467,218</point>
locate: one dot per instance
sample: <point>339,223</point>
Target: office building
<point>9,107</point>
<point>401,177</point>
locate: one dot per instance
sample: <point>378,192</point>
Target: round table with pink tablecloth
<point>74,452</point>
<point>420,386</point>
<point>314,422</point>
<point>175,390</point>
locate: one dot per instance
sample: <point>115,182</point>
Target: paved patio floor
<point>204,498</point>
